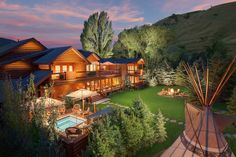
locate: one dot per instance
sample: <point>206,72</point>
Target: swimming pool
<point>68,121</point>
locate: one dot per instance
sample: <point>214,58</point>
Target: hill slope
<point>195,30</point>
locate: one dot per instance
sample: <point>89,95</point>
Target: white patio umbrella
<point>82,94</point>
<point>49,102</point>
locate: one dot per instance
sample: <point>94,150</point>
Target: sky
<point>60,22</point>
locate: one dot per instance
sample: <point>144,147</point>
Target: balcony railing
<point>83,74</point>
<point>136,72</point>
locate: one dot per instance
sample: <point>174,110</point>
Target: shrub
<point>160,131</point>
<point>125,131</point>
<point>68,102</point>
<point>23,130</point>
<point>153,82</point>
<point>180,76</point>
<point>232,103</point>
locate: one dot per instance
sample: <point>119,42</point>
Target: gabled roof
<point>86,54</point>
<point>22,57</point>
<point>51,55</point>
<point>8,47</point>
<point>120,60</point>
<point>39,77</point>
<point>5,41</point>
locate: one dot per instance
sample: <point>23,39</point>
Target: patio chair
<point>76,109</point>
<point>61,109</point>
<point>87,111</point>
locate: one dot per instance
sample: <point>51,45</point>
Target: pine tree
<point>29,133</point>
<point>232,103</point>
<point>181,77</point>
<point>104,139</point>
<point>132,132</point>
<point>161,133</point>
<point>144,115</point>
<point>97,34</point>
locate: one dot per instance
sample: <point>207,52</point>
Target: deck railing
<point>136,72</point>
<point>83,74</point>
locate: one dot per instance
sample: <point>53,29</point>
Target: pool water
<point>68,121</point>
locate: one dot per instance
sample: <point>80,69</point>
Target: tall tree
<point>97,34</point>
<point>161,134</point>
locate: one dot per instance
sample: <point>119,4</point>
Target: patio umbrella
<point>49,102</point>
<point>82,94</point>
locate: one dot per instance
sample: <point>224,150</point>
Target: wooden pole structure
<point>94,107</point>
<point>83,104</point>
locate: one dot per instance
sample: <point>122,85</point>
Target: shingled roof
<point>86,54</point>
<point>5,41</point>
<point>51,55</point>
<point>12,45</point>
<point>21,57</point>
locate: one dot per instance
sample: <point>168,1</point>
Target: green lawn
<point>172,108</point>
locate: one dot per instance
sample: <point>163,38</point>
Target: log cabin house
<point>70,69</point>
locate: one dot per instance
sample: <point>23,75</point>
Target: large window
<point>91,67</point>
<point>57,68</point>
<point>64,68</point>
<point>70,68</point>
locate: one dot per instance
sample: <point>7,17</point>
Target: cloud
<point>182,6</point>
<point>55,20</point>
<point>208,4</point>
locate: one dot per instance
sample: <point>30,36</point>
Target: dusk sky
<point>60,22</point>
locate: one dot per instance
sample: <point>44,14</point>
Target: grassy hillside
<point>195,30</point>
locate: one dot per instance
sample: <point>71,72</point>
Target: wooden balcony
<point>83,75</point>
<point>139,72</point>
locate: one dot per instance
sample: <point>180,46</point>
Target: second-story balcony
<point>136,72</point>
<point>81,75</point>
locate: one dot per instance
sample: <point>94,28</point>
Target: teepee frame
<point>206,99</point>
<point>202,135</point>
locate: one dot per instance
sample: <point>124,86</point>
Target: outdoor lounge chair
<point>61,109</point>
<point>76,109</point>
<point>87,111</point>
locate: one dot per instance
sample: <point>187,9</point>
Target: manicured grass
<point>172,108</point>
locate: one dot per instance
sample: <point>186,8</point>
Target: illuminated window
<point>70,68</point>
<point>131,67</point>
<point>64,68</point>
<point>57,69</point>
<point>91,67</point>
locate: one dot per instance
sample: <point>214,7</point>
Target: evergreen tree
<point>97,34</point>
<point>232,103</point>
<point>160,133</point>
<point>144,115</point>
<point>23,132</point>
<point>103,140</point>
<point>181,77</point>
<point>131,131</point>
